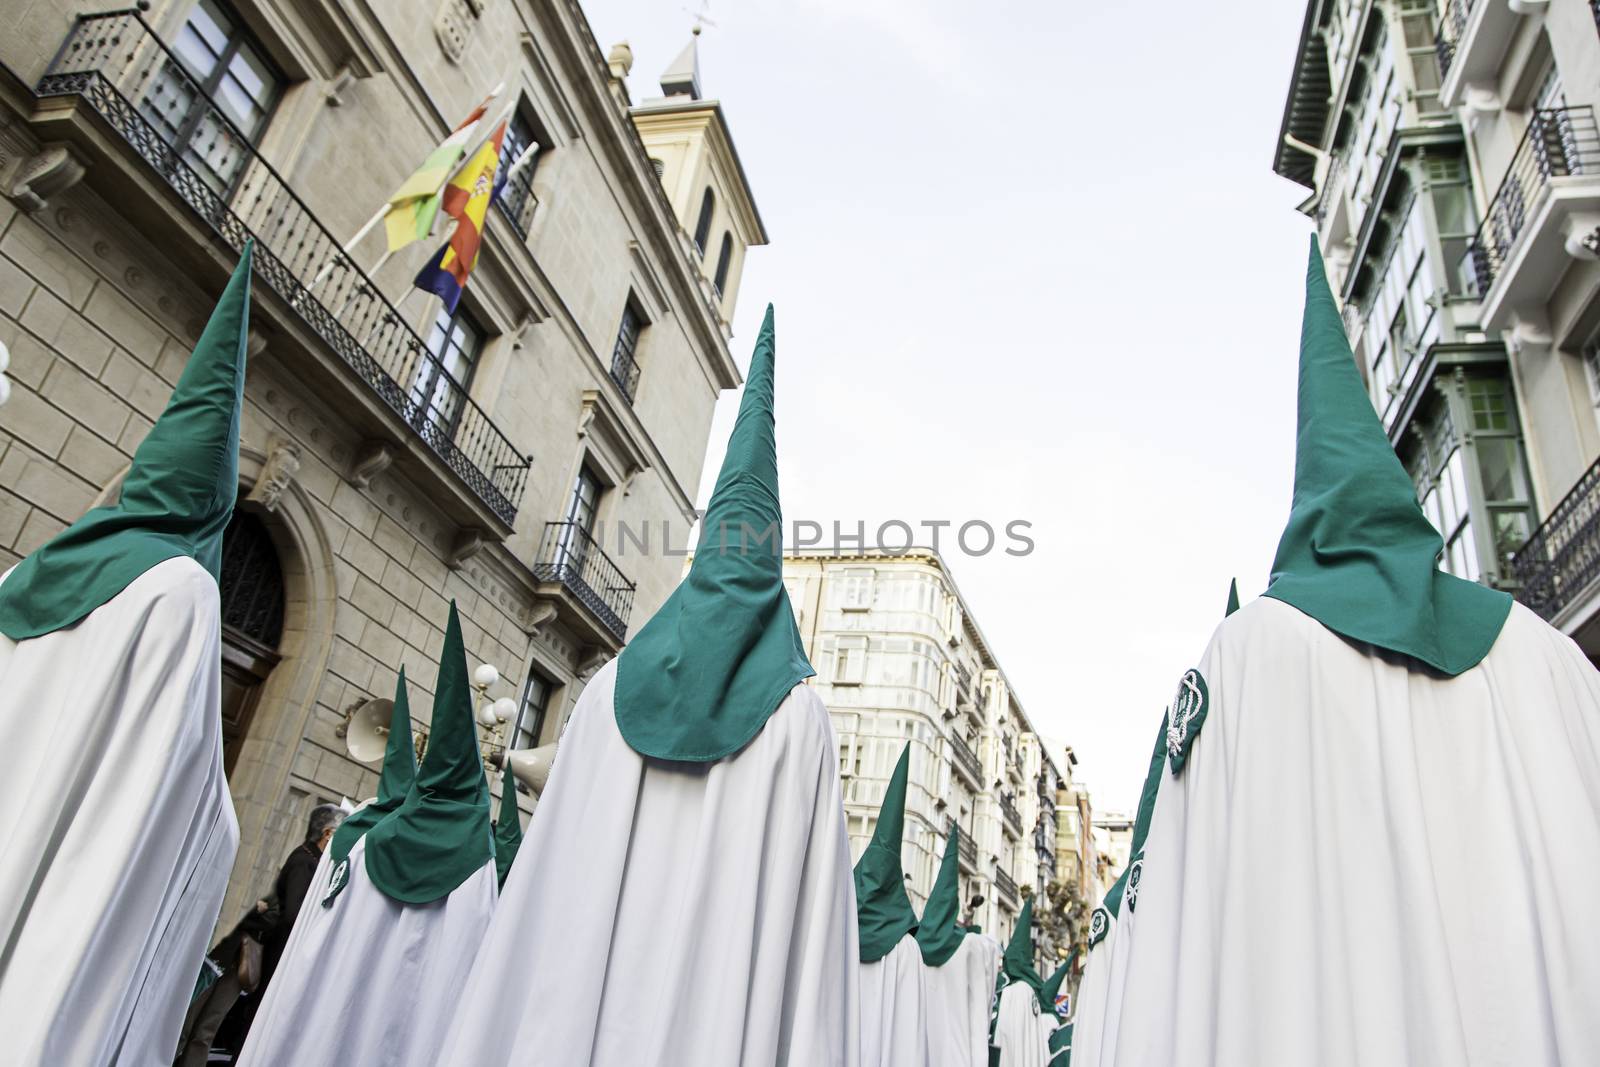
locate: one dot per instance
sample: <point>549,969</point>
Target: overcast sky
<point>1029,262</point>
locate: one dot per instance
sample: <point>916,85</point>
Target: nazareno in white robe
<point>1364,862</point>
<point>894,1008</point>
<point>116,827</point>
<point>662,914</point>
<point>367,980</point>
<point>960,994</point>
<point>1017,1033</point>
<point>1089,1012</point>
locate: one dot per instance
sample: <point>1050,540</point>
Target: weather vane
<point>701,17</point>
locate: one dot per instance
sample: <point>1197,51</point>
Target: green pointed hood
<point>1233,598</point>
<point>883,910</point>
<point>394,781</point>
<point>1358,555</point>
<point>1052,985</point>
<point>1017,965</point>
<point>176,498</point>
<point>440,835</point>
<point>939,933</point>
<point>707,671</point>
<point>508,827</point>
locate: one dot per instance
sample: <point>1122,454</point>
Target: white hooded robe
<point>1017,1033</point>
<point>1364,862</point>
<point>367,981</point>
<point>894,1008</point>
<point>662,914</point>
<point>960,994</point>
<point>117,831</point>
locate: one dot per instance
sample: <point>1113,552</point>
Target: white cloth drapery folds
<point>116,825</point>
<point>368,980</point>
<point>1017,1033</point>
<point>894,1008</point>
<point>1089,1011</point>
<point>662,914</point>
<point>1364,862</point>
<point>960,994</point>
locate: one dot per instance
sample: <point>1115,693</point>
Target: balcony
<point>576,572</point>
<point>1005,889</point>
<point>624,367</point>
<point>1472,40</point>
<point>516,202</point>
<point>966,761</point>
<point>1558,567</point>
<point>1545,214</point>
<point>967,853</point>
<point>1452,27</point>
<point>1010,818</point>
<point>121,95</point>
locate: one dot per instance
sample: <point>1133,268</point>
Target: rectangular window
<point>215,101</point>
<point>439,387</point>
<point>855,589</point>
<point>1417,21</point>
<point>1591,368</point>
<point>532,711</point>
<point>524,147</point>
<point>585,499</point>
<point>850,661</point>
<point>624,354</point>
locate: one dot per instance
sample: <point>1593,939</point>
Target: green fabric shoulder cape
<point>440,835</point>
<point>176,498</point>
<point>706,672</point>
<point>1358,555</point>
<point>883,910</point>
<point>394,781</point>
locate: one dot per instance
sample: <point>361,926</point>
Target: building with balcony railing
<point>1524,81</point>
<point>900,658</point>
<point>394,456</point>
<point>1397,195</point>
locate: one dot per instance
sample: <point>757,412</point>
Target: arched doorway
<point>252,624</point>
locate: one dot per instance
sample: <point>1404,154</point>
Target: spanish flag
<point>413,206</point>
<point>467,199</point>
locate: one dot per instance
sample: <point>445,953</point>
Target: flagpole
<point>379,215</point>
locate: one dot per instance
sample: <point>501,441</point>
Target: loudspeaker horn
<point>367,736</point>
<point>531,766</point>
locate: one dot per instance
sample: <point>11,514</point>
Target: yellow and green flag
<point>413,206</point>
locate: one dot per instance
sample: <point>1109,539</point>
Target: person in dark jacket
<point>268,923</point>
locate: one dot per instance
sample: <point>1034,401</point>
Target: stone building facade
<point>394,457</point>
<point>899,657</point>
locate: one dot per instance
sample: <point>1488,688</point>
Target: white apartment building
<point>900,658</point>
<point>1453,160</point>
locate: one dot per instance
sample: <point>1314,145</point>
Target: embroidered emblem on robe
<point>1186,716</point>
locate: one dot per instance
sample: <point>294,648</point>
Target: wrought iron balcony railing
<point>1562,558</point>
<point>625,371</point>
<point>1005,887</point>
<point>966,759</point>
<point>967,853</point>
<point>1452,26</point>
<point>573,558</point>
<point>117,65</point>
<point>517,203</point>
<point>1012,818</point>
<point>1559,142</point>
